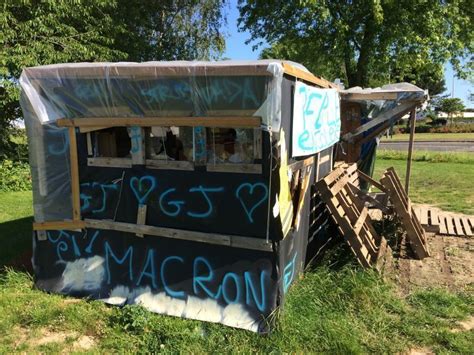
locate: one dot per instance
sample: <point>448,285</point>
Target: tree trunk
<point>366,49</point>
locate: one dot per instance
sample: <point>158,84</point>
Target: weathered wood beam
<point>229,121</point>
<point>210,238</point>
<point>398,111</point>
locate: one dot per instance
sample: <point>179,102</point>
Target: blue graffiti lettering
<point>59,148</point>
<point>103,188</point>
<point>89,246</point>
<point>198,280</point>
<point>62,246</point>
<point>128,254</point>
<point>169,291</point>
<point>149,264</point>
<point>204,191</point>
<point>289,273</point>
<point>176,204</point>
<point>139,188</point>
<point>249,210</point>
<point>85,199</point>
<point>225,287</point>
<point>250,288</point>
<point>136,139</point>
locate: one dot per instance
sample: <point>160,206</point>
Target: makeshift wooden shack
<point>186,187</point>
<point>368,113</point>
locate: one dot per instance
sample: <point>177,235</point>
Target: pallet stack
<point>351,216</point>
<point>349,206</point>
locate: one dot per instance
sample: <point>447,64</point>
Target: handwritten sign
<point>316,119</point>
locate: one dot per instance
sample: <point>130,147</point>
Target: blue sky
<point>237,49</point>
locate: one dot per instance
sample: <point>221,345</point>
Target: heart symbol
<point>140,189</point>
<point>251,188</point>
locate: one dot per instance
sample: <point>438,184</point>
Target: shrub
<point>14,176</point>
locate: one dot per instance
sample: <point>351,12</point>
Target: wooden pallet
<point>351,216</point>
<point>446,223</point>
<point>356,177</point>
<point>403,208</point>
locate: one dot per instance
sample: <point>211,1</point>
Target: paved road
<point>446,146</point>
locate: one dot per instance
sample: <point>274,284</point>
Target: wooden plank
<point>307,76</point>
<point>301,164</point>
<point>387,95</point>
<point>235,168</point>
<point>442,224</point>
<point>386,116</point>
<point>58,225</point>
<point>458,225</point>
<point>450,225</point>
<point>110,162</point>
<point>256,243</point>
<point>434,219</point>
<point>137,139</point>
<point>332,176</point>
<point>324,158</point>
<point>155,70</point>
<point>415,233</point>
<point>361,220</point>
<point>339,184</point>
<point>304,189</point>
<point>169,164</point>
<point>370,180</point>
<point>90,129</point>
<point>141,217</point>
<point>232,122</point>
<point>467,227</point>
<point>75,189</point>
<point>90,151</point>
<point>423,216</point>
<point>410,150</point>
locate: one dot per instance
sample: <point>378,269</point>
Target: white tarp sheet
<point>316,119</point>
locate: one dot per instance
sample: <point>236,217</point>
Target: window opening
<point>229,145</point>
<point>170,143</point>
<point>112,143</point>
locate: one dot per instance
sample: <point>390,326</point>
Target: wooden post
<point>76,202</point>
<point>410,149</point>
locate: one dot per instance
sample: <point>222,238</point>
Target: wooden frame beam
<point>396,112</point>
<point>388,95</point>
<point>75,189</point>
<point>210,238</point>
<point>58,225</point>
<point>410,150</point>
<point>223,121</point>
<point>307,76</point>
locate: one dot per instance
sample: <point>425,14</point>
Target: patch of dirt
<point>464,326</point>
<point>46,336</point>
<point>450,265</point>
<point>420,351</point>
<point>85,342</point>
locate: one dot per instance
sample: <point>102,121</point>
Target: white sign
<point>316,119</point>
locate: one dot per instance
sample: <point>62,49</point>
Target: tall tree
<point>55,31</point>
<point>451,106</point>
<point>364,42</point>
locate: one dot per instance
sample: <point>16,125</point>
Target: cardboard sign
<point>316,119</point>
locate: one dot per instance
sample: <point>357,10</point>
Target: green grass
<point>339,311</point>
<point>334,308</point>
<point>431,137</point>
<point>428,156</point>
<point>16,210</point>
<point>444,180</point>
